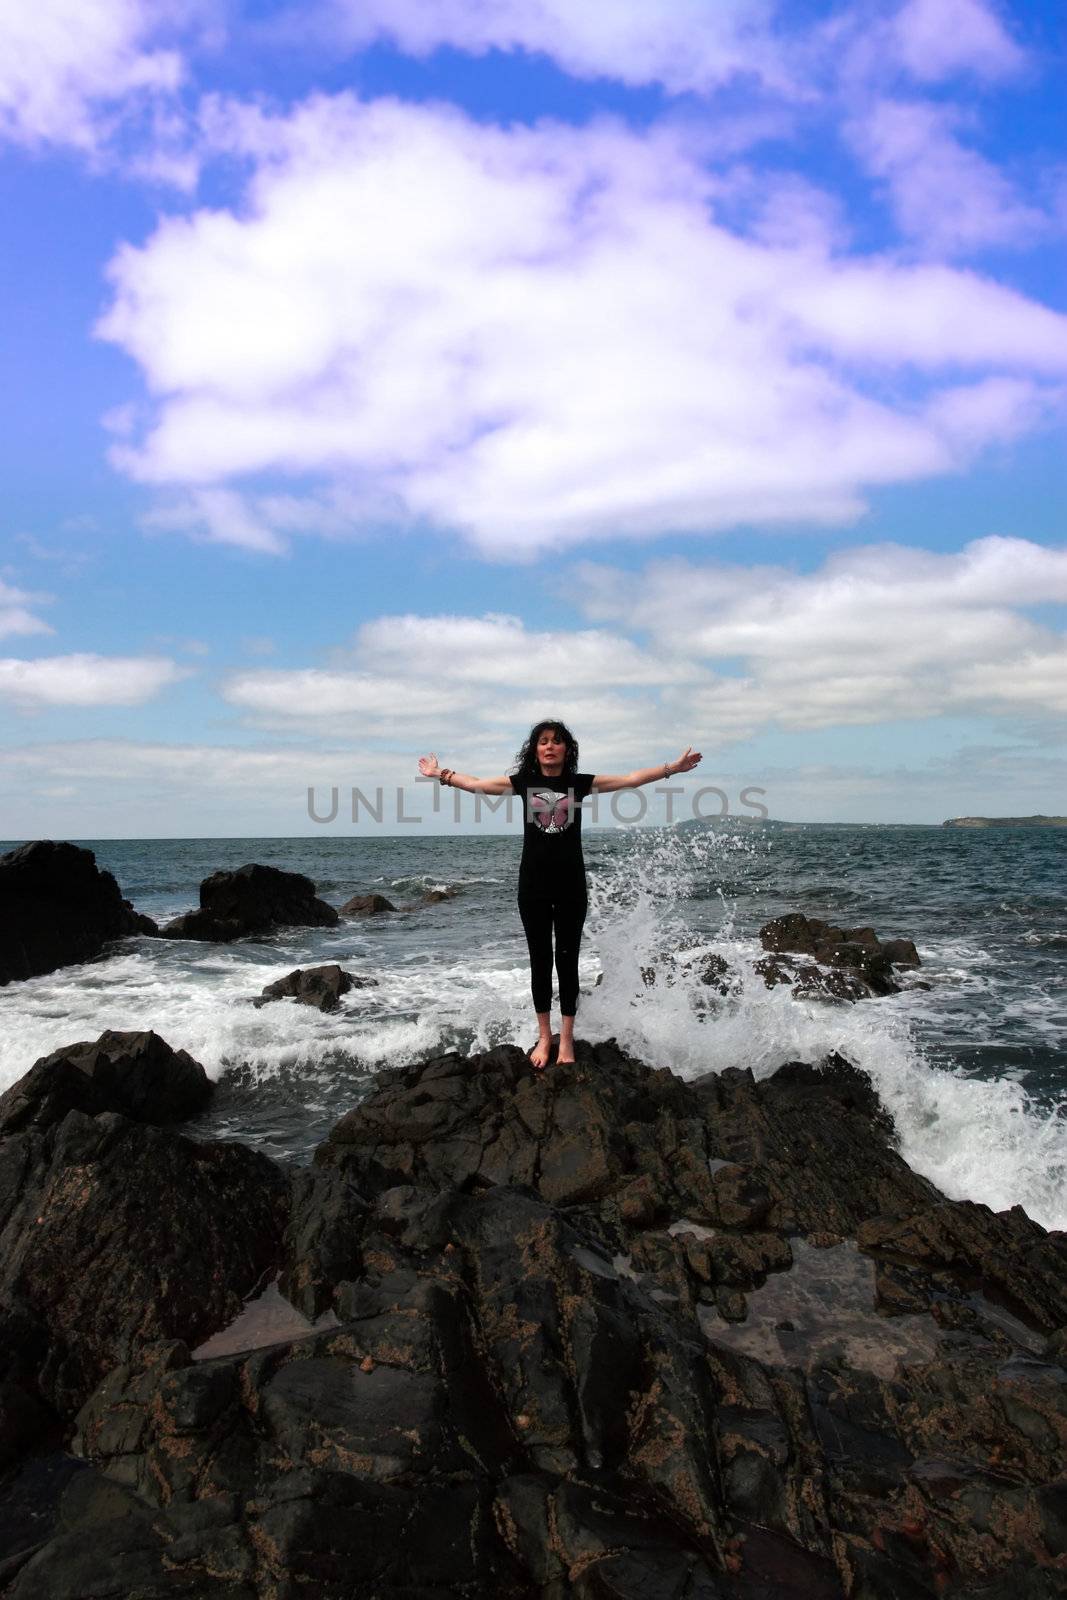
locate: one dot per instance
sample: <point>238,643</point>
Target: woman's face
<point>550,751</point>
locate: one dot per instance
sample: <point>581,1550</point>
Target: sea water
<point>969,1059</point>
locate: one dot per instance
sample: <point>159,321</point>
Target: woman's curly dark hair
<point>528,765</point>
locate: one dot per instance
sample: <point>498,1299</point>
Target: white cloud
<point>946,196</point>
<point>876,635</point>
<point>106,788</point>
<point>86,680</point>
<point>68,68</point>
<point>692,46</point>
<point>686,45</point>
<point>266,522</point>
<point>500,650</point>
<point>15,613</point>
<point>1036,679</point>
<point>470,679</point>
<point>536,336</point>
<point>927,317</point>
<point>311,695</point>
<point>219,515</point>
<point>938,39</point>
<point>995,408</point>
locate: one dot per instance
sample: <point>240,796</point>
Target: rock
<point>137,1074</point>
<point>859,962</point>
<point>540,1383</point>
<point>798,1156</point>
<point>901,952</point>
<point>254,900</point>
<point>56,908</point>
<point>871,967</point>
<point>433,897</point>
<point>1005,1255</point>
<point>314,986</point>
<point>114,1233</point>
<point>810,982</point>
<point>24,1421</point>
<point>716,973</point>
<point>366,905</point>
<point>796,932</point>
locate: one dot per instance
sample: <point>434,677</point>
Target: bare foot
<point>540,1053</point>
<point>565,1061</point>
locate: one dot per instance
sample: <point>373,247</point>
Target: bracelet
<point>666,770</point>
<point>445,776</point>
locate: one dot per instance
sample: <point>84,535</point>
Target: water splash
<point>663,902</point>
<point>975,1138</point>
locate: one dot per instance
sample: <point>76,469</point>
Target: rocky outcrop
<point>113,1232</point>
<point>367,905</point>
<point>1038,821</point>
<point>135,1073</point>
<point>554,1371</point>
<point>792,1152</point>
<point>57,908</point>
<point>314,986</point>
<point>252,901</point>
<point>851,962</point>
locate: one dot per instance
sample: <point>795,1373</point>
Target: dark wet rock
<point>901,952</point>
<point>366,905</point>
<point>24,1421</point>
<point>851,962</point>
<point>30,1502</point>
<point>539,1382</point>
<point>1003,1254</point>
<point>314,986</point>
<point>433,897</point>
<point>810,982</point>
<point>253,900</point>
<point>715,972</point>
<point>800,934</point>
<point>56,908</point>
<point>137,1074</point>
<point>114,1234</point>
<point>799,1155</point>
<point>322,1241</point>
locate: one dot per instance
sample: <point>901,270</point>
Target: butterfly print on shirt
<point>552,812</point>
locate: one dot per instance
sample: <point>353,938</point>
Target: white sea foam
<point>975,1138</point>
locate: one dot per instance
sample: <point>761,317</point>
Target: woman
<point>552,890</point>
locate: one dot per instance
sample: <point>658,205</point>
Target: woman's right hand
<point>428,766</point>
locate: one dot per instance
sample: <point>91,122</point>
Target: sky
<point>384,375</point>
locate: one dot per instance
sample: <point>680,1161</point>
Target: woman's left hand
<point>688,759</point>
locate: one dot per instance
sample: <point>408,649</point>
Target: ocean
<point>970,1059</point>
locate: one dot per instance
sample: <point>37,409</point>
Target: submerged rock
<point>366,905</point>
<point>859,962</point>
<point>314,986</point>
<point>57,907</point>
<point>541,1381</point>
<point>253,900</point>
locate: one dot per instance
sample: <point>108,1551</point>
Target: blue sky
<point>384,376</point>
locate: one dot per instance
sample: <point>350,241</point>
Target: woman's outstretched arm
<point>429,767</point>
<point>604,782</point>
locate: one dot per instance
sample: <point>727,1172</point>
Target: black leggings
<point>540,919</point>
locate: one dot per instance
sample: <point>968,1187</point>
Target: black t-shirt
<point>552,863</point>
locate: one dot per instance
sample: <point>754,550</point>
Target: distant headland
<point>1005,822</point>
